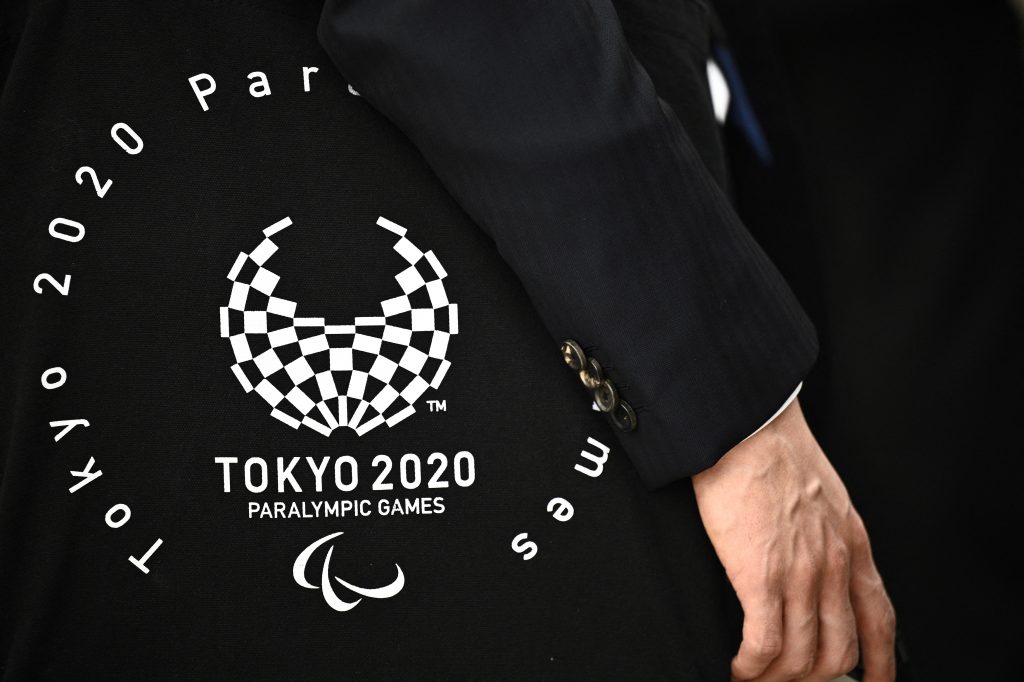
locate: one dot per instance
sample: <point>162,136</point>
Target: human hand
<point>798,556</point>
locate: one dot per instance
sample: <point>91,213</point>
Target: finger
<point>762,636</point>
<point>800,640</point>
<point>837,625</point>
<point>876,628</point>
<point>876,620</point>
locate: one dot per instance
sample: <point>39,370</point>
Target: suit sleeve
<point>540,122</point>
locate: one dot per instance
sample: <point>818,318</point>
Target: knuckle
<point>797,667</point>
<point>841,660</point>
<point>755,588</point>
<point>848,661</point>
<point>770,578</point>
<point>746,669</point>
<point>767,647</point>
<point>838,558</point>
<point>883,628</point>
<point>803,667</point>
<point>805,573</point>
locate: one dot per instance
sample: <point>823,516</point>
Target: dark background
<point>894,208</point>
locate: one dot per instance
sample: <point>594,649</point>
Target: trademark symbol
<point>437,405</point>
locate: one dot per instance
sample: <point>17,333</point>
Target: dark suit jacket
<point>542,123</point>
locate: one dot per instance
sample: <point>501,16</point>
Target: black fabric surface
<point>628,588</point>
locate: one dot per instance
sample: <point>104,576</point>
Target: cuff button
<point>606,396</point>
<point>624,418</point>
<point>592,375</point>
<point>573,355</point>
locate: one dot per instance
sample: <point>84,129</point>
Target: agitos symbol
<point>332,598</point>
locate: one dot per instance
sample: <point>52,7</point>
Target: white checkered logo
<point>324,376</point>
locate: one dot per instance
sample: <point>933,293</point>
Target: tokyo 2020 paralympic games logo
<point>367,372</point>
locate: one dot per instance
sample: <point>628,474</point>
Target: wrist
<point>759,451</point>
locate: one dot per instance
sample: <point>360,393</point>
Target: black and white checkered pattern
<point>324,376</point>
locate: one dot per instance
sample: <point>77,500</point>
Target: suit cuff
<point>782,409</point>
